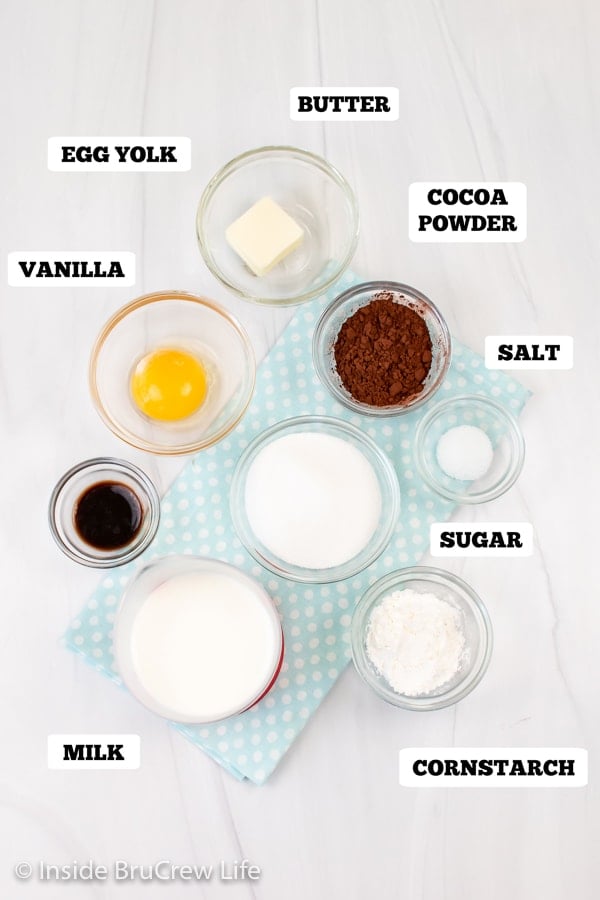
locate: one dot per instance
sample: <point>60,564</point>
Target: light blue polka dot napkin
<point>316,618</point>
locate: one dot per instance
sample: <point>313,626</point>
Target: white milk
<point>204,645</point>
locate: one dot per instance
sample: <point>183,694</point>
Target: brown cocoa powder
<point>383,352</point>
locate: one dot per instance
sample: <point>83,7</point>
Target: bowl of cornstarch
<point>314,499</point>
<point>421,638</point>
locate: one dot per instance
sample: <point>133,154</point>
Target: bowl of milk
<point>197,640</point>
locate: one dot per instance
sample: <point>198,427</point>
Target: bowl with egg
<point>277,225</point>
<point>172,373</point>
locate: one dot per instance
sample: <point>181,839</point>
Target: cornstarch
<point>415,641</point>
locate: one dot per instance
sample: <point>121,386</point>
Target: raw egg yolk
<point>169,385</point>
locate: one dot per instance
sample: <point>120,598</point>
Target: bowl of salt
<point>469,449</point>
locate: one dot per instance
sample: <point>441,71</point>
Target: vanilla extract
<point>108,515</point>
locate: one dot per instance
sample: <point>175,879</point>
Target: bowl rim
<point>117,465</point>
<point>434,575</point>
<point>186,562</point>
<point>391,501</point>
<point>514,469</point>
<point>121,314</point>
<point>344,397</point>
<point>236,163</point>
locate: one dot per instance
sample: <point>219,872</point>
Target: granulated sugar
<point>313,499</point>
<point>415,641</point>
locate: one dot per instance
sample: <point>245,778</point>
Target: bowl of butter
<point>277,225</point>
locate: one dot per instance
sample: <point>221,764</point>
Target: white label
<point>481,539</point>
<point>119,154</point>
<point>529,351</point>
<point>71,268</point>
<point>93,751</point>
<point>344,104</point>
<point>467,212</point>
<point>494,767</point>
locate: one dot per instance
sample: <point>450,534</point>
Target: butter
<point>264,235</point>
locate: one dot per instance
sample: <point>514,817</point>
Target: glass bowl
<point>264,672</point>
<point>173,320</point>
<point>476,625</point>
<point>503,431</point>
<point>344,306</point>
<point>388,485</point>
<point>70,488</point>
<point>312,192</point>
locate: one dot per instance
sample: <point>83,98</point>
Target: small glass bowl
<point>172,319</point>
<point>312,192</point>
<point>344,306</point>
<point>503,431</point>
<point>136,594</point>
<point>475,621</point>
<point>388,484</point>
<point>70,488</point>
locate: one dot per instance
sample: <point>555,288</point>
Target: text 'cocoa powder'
<point>383,352</point>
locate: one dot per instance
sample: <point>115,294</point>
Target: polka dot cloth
<point>316,618</point>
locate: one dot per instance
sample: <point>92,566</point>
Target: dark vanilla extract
<point>108,515</point>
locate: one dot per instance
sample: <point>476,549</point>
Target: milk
<point>204,645</point>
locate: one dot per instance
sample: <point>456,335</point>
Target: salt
<point>415,641</point>
<point>465,453</point>
<point>312,499</point>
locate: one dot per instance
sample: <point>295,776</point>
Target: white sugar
<point>313,499</point>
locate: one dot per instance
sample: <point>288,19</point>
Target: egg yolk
<point>169,385</point>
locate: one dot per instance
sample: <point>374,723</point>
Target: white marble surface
<point>487,91</point>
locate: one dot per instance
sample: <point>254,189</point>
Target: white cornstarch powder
<point>313,499</point>
<point>415,641</point>
<point>465,452</point>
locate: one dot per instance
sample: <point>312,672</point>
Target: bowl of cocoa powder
<point>382,348</point>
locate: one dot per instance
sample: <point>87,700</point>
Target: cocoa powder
<point>383,352</point>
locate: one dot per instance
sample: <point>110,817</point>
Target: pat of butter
<point>264,235</point>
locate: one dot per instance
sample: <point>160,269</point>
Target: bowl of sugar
<point>469,449</point>
<point>421,638</point>
<point>314,499</point>
<point>197,640</point>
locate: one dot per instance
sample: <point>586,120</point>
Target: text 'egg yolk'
<point>169,385</point>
